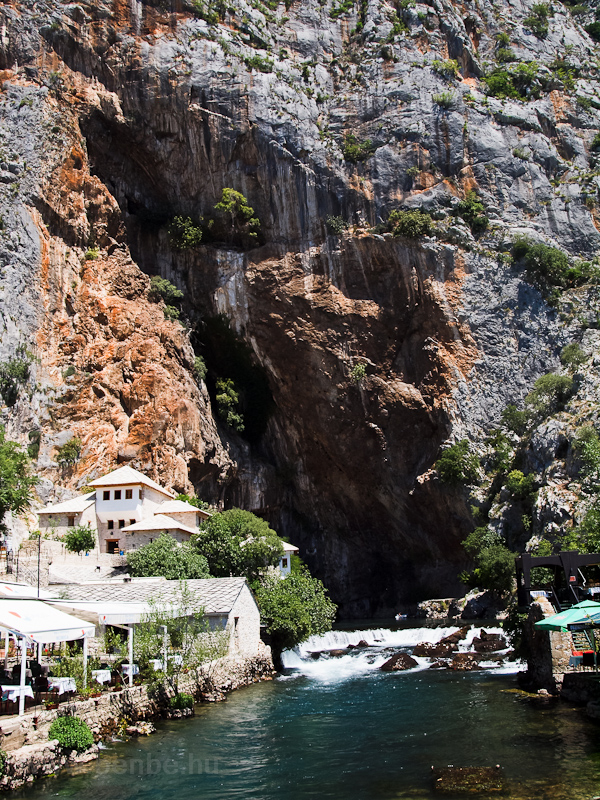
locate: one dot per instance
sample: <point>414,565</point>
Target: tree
<point>69,453</point>
<point>243,225</point>
<point>193,501</point>
<point>166,558</point>
<point>79,539</point>
<point>16,482</point>
<point>228,405</point>
<point>294,608</point>
<point>494,562</point>
<point>550,393</point>
<point>184,234</point>
<point>180,624</point>
<point>237,542</point>
<point>457,464</point>
<point>572,355</point>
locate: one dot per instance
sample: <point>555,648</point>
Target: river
<point>339,728</point>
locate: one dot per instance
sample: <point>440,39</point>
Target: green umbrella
<point>582,612</point>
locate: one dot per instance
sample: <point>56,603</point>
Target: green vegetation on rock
<point>72,733</point>
<point>69,453</point>
<point>410,224</point>
<point>184,233</point>
<point>355,150</point>
<point>458,465</point>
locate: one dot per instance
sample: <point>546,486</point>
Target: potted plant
<point>50,703</point>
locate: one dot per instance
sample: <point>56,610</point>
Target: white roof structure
<point>179,507</point>
<point>290,548</point>
<point>40,622</point>
<point>127,476</point>
<point>110,613</point>
<point>73,506</point>
<point>159,522</point>
<point>23,590</point>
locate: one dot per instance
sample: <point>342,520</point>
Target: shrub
<point>572,355</point>
<point>518,83</point>
<point>494,563</point>
<point>162,288</point>
<point>184,233</point>
<point>72,733</point>
<point>35,439</point>
<point>199,368</point>
<point>447,69</point>
<point>505,55</point>
<point>181,701</point>
<point>472,210</point>
<point>593,30</point>
<point>228,404</point>
<point>164,557</point>
<point>355,150</point>
<point>79,539</point>
<point>458,465</point>
<point>595,145</point>
<point>358,372</point>
<point>70,452</point>
<point>2,763</point>
<point>587,446</point>
<point>444,100</point>
<point>502,39</point>
<point>243,225</point>
<point>550,393</point>
<point>547,266</point>
<point>16,482</point>
<point>518,152</point>
<point>336,225</point>
<point>410,224</point>
<point>171,312</point>
<point>14,373</point>
<point>519,485</point>
<point>537,21</point>
<point>92,254</point>
<point>502,456</point>
<point>515,420</point>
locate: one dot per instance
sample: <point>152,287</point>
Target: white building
<point>126,509</point>
<point>285,562</point>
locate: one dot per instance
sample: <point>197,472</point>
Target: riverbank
<point>29,754</point>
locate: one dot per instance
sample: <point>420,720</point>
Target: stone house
<point>126,509</point>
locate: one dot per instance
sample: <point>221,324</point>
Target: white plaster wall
<point>246,635</point>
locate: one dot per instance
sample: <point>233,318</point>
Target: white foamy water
<point>363,661</point>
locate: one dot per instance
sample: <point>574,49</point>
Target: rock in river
<point>399,662</point>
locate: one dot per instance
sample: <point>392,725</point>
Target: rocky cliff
<point>356,353</point>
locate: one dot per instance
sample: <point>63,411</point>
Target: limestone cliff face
<point>135,113</point>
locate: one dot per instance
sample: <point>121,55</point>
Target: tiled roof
<point>127,475</point>
<point>179,507</point>
<point>159,522</point>
<point>75,505</point>
<point>215,595</point>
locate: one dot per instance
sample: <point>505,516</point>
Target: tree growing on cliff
<point>458,465</point>
<point>242,226</point>
<point>166,558</point>
<point>237,542</point>
<point>494,564</point>
<point>69,453</point>
<point>16,481</point>
<point>294,608</point>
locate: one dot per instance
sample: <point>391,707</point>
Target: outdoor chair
<point>589,659</point>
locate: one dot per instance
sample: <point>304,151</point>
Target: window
<point>128,494</point>
<point>132,522</point>
<point>106,495</point>
<point>151,540</point>
<point>110,524</point>
<point>117,494</point>
<point>284,563</point>
<point>70,522</point>
<point>121,523</point>
<point>140,494</point>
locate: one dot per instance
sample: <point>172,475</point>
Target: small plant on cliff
<point>184,234</point>
<point>14,373</point>
<point>79,540</point>
<point>336,225</point>
<point>358,372</point>
<point>228,405</point>
<point>572,356</point>
<point>518,82</point>
<point>586,445</point>
<point>354,150</point>
<point>92,254</point>
<point>181,701</point>
<point>16,482</point>
<point>199,368</point>
<point>2,763</point>
<point>537,21</point>
<point>243,226</point>
<point>444,100</point>
<point>515,420</point>
<point>72,733</point>
<point>549,394</point>
<point>161,288</point>
<point>447,69</point>
<point>458,465</point>
<point>69,453</point>
<point>519,485</point>
<point>472,210</point>
<point>410,224</point>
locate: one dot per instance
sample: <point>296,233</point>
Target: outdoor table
<point>13,693</point>
<point>101,675</point>
<point>575,661</point>
<point>156,663</point>
<point>127,668</point>
<point>63,685</point>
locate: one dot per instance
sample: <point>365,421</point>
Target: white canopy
<point>40,622</point>
<point>113,612</point>
<point>22,590</point>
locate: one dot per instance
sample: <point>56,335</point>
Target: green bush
<point>358,372</point>
<point>72,733</point>
<point>548,267</point>
<point>472,210</point>
<point>410,224</point>
<point>515,420</point>
<point>447,69</point>
<point>243,227</point>
<point>537,21</point>
<point>35,440</point>
<point>505,55</point>
<point>458,465</point>
<point>161,288</point>
<point>164,557</point>
<point>336,225</point>
<point>550,393</point>
<point>355,150</point>
<point>258,63</point>
<point>70,452</point>
<point>572,355</point>
<point>518,82</point>
<point>502,457</point>
<point>593,30</point>
<point>587,447</point>
<point>228,405</point>
<point>199,368</point>
<point>494,562</point>
<point>80,539</point>
<point>184,234</point>
<point>181,701</point>
<point>519,485</point>
<point>14,373</point>
<point>595,145</point>
<point>444,100</point>
<point>2,763</point>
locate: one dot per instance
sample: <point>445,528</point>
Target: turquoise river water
<point>339,728</point>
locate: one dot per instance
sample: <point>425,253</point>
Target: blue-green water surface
<point>371,736</point>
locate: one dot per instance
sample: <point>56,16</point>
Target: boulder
<point>456,637</point>
<point>489,642</point>
<point>337,653</point>
<point>429,650</point>
<point>399,662</point>
<point>362,643</point>
<point>464,662</point>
